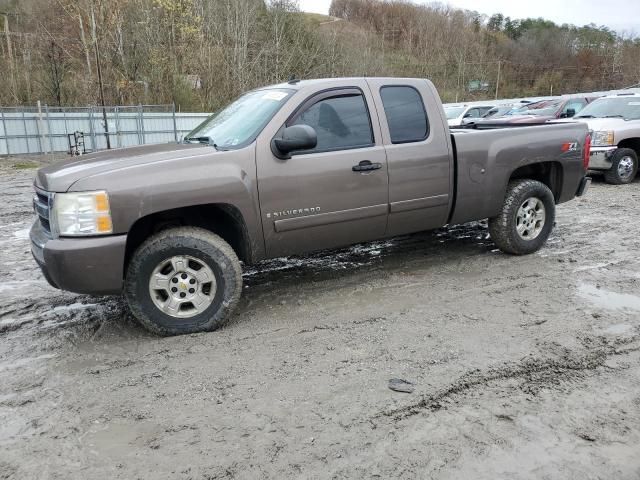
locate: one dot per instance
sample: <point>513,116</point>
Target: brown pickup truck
<point>287,169</point>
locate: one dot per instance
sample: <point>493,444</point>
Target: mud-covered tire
<point>504,227</point>
<point>624,167</point>
<point>184,242</point>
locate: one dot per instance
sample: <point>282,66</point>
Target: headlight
<point>602,138</point>
<point>82,213</point>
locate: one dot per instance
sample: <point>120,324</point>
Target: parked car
<point>460,114</point>
<point>615,122</point>
<point>288,169</point>
<point>543,111</point>
<point>499,111</point>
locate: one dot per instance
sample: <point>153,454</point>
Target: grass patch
<point>25,165</point>
<point>315,18</point>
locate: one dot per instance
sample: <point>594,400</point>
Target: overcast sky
<point>619,15</point>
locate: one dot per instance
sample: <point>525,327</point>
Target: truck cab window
<point>405,113</point>
<point>473,113</point>
<point>341,123</point>
<point>576,106</point>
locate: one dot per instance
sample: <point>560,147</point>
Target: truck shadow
<point>324,264</point>
<point>84,319</point>
<point>598,179</point>
<point>289,279</point>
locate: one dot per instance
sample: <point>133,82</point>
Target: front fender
<point>227,177</point>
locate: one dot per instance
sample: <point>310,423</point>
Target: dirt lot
<point>524,367</point>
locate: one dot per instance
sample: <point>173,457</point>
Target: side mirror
<point>295,137</point>
<point>569,113</point>
<point>467,115</point>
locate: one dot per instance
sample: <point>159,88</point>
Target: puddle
<point>618,329</point>
<point>22,362</point>
<point>22,234</point>
<point>597,266</point>
<point>608,299</point>
<point>15,285</point>
<point>72,307</point>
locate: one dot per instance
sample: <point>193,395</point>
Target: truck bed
<point>486,158</point>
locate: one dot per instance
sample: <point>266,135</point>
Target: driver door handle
<point>366,166</point>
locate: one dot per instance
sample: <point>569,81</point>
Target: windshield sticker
<point>277,96</point>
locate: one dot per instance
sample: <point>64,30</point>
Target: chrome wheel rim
<point>182,286</point>
<point>530,218</point>
<point>625,168</point>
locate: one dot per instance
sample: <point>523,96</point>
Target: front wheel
<point>183,280</point>
<point>526,220</point>
<point>624,167</point>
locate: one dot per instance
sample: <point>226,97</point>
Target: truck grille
<point>42,205</point>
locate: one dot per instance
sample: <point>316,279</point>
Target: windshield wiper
<point>204,140</point>
<point>585,116</point>
<point>613,116</point>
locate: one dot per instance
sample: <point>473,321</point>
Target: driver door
<point>317,199</point>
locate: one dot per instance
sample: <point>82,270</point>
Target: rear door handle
<point>365,166</point>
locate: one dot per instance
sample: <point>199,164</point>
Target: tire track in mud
<point>535,374</point>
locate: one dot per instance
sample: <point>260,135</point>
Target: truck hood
<point>597,124</point>
<point>60,176</point>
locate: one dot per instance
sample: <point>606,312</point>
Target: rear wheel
<point>183,280</point>
<point>624,167</point>
<point>526,220</point>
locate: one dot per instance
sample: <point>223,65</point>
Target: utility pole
<point>458,82</point>
<point>84,44</point>
<point>498,80</point>
<point>99,70</point>
<point>7,34</point>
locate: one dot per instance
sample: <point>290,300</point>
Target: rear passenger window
<point>340,122</point>
<point>405,113</point>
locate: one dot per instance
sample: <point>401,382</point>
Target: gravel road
<point>522,367</point>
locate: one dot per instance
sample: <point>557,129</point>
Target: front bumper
<point>92,265</point>
<point>600,158</point>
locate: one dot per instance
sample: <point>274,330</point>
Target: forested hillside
<point>201,53</point>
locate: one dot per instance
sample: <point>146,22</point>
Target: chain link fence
<point>34,130</point>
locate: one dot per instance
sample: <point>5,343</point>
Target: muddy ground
<point>524,367</point>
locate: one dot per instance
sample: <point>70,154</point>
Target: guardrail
<point>34,130</point>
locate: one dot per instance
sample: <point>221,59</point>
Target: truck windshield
<point>453,112</point>
<point>622,107</point>
<point>240,122</point>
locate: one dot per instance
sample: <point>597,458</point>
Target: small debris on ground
<point>400,385</point>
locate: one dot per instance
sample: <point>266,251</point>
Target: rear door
<point>418,155</point>
<point>317,199</point>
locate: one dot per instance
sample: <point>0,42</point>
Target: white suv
<point>459,114</point>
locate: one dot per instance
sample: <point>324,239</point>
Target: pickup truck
<point>283,170</point>
<point>615,125</point>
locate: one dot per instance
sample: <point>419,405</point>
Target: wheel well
<point>632,143</point>
<point>549,173</point>
<point>222,219</point>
